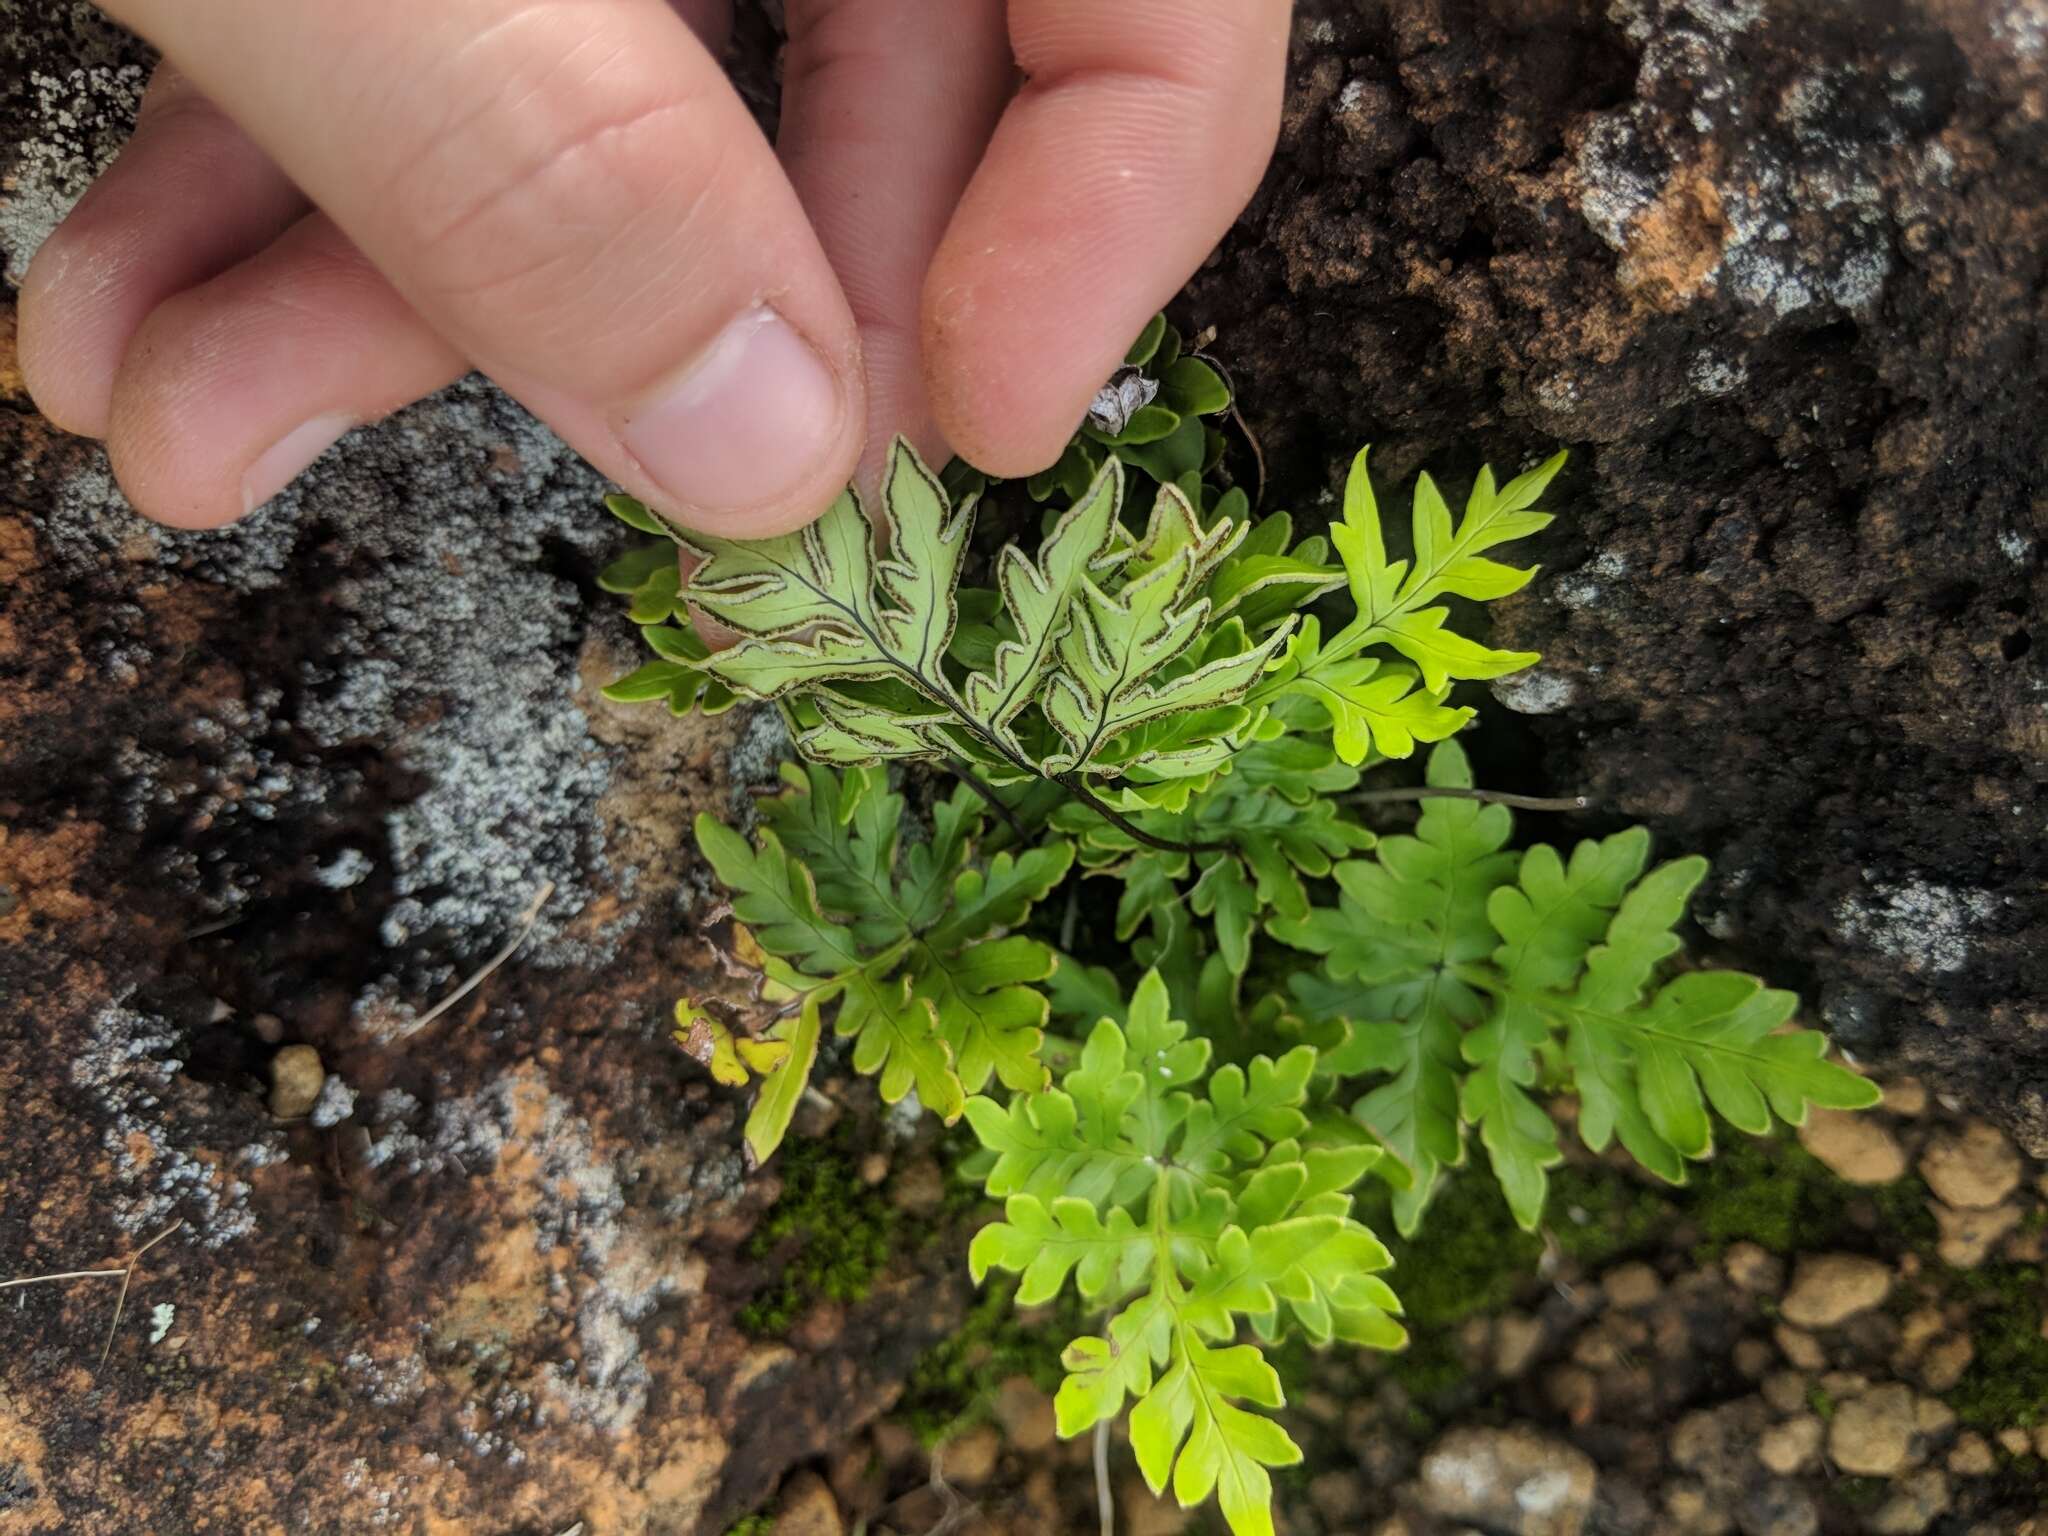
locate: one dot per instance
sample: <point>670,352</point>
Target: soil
<point>1774,273</point>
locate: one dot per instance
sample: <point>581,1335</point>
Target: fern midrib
<point>937,960</point>
<point>837,940</point>
<point>1018,693</point>
<point>1680,1043</point>
<point>1420,588</point>
<point>1509,984</point>
<point>1167,1289</point>
<point>939,690</point>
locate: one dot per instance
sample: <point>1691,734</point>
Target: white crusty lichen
<point>77,118</point>
<point>1924,926</point>
<point>1537,691</point>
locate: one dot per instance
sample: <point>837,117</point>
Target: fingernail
<point>744,424</point>
<point>284,460</point>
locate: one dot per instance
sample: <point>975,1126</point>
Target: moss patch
<point>1468,1258</point>
<point>831,1233</point>
<point>1776,1194</point>
<point>953,1383</point>
<point>2007,1382</point>
<point>752,1525</point>
<point>1599,1216</point>
<point>1859,1493</point>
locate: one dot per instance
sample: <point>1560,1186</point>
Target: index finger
<point>572,195</point>
<point>1140,133</point>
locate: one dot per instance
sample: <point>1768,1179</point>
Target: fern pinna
<point>1172,696</point>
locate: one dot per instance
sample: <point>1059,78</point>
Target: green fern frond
<point>1183,1202</point>
<point>932,990</point>
<point>1462,970</point>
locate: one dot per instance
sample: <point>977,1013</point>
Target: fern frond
<point>1459,970</point>
<point>934,991</point>
<point>1186,1211</point>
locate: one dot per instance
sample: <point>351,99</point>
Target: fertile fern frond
<point>1096,656</point>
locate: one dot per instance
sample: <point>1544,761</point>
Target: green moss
<point>2007,1382</point>
<point>1598,1216</point>
<point>1821,1401</point>
<point>1469,1256</point>
<point>1427,1369</point>
<point>831,1233</point>
<point>1781,1197</point>
<point>752,1525</point>
<point>953,1384</point>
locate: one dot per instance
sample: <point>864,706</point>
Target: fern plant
<point>1126,667</point>
<point>1166,695</point>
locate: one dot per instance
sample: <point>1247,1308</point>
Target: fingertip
<point>1140,133</point>
<point>754,436</point>
<point>1002,423</point>
<point>69,397</point>
<point>173,478</point>
<point>230,390</point>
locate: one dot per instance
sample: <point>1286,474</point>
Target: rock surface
<point>1773,272</point>
<point>1857,1147</point>
<point>1871,1434</point>
<point>1833,1287</point>
<point>1972,1169</point>
<point>296,1081</point>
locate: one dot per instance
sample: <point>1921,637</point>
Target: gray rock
<point>1773,270</point>
<point>1508,1480</point>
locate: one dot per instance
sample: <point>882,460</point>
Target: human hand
<point>328,211</point>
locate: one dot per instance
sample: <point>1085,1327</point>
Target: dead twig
<point>205,928</point>
<point>1105,1501</point>
<point>126,1275</point>
<point>958,1511</point>
<point>526,921</point>
<point>69,1274</point>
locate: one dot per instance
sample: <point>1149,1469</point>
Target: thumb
<point>572,195</point>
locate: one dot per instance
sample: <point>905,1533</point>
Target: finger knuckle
<point>524,190</point>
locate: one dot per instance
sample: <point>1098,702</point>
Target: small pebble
<point>296,1078</point>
